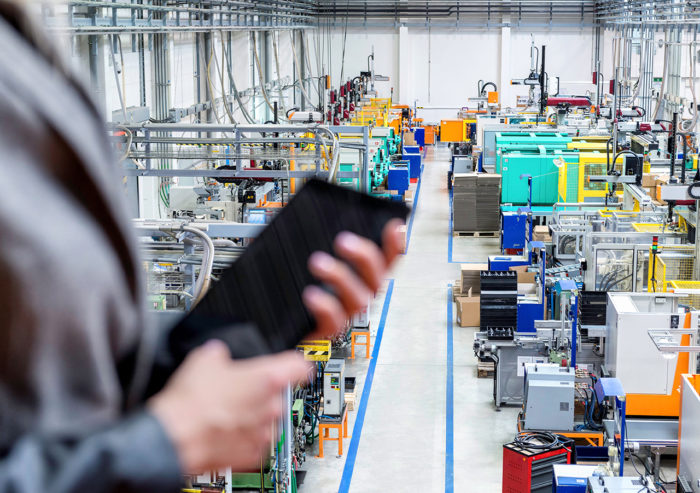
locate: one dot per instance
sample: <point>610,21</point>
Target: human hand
<point>352,288</point>
<point>219,412</point>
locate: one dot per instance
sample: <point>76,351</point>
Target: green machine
<point>551,140</point>
<point>535,154</point>
<point>383,144</point>
<point>542,164</point>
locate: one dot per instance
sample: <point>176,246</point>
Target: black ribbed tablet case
<point>265,284</point>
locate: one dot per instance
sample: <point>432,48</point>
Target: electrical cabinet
<point>549,397</point>
<point>334,387</point>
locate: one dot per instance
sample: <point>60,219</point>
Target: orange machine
<point>659,404</point>
<point>453,131</point>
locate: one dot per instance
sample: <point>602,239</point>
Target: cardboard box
<point>409,139</point>
<point>470,275</point>
<point>649,180</point>
<point>456,289</point>
<point>661,180</point>
<point>541,233</point>
<point>524,277</point>
<point>402,231</point>
<point>468,311</point>
<point>658,200</point>
<point>527,288</point>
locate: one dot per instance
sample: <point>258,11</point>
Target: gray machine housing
<point>599,484</point>
<point>549,397</point>
<point>334,387</point>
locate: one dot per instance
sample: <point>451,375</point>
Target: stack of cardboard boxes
<point>652,184</point>
<point>467,294</point>
<point>476,202</point>
<point>466,291</point>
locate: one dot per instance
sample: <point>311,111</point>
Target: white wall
<point>441,66</point>
<point>445,65</point>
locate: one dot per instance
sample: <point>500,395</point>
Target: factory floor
<point>425,423</point>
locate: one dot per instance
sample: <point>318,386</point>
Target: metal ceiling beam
<point>146,16</point>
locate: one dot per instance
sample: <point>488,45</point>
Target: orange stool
<point>360,332</point>
<point>324,427</point>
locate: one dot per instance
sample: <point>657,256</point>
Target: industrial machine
<point>549,397</point>
<point>689,446</point>
<point>653,392</point>
<point>334,387</point>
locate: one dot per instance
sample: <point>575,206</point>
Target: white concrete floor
<point>402,445</point>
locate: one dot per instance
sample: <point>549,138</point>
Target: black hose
<point>495,88</point>
<point>640,108</point>
<point>607,155</point>
<point>623,151</point>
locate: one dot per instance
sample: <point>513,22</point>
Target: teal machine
<point>384,145</point>
<point>534,154</point>
<point>387,145</point>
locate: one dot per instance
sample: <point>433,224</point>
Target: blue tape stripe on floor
<point>449,234</point>
<point>413,215</point>
<point>360,419</point>
<point>449,403</point>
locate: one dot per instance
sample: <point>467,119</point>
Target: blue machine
<point>514,227</point>
<point>528,312</point>
<point>505,262</point>
<point>398,177</point>
<point>419,135</point>
<point>569,478</point>
<point>414,161</point>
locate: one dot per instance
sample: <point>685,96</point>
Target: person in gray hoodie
<point>85,404</point>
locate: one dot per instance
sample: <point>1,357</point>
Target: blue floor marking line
<point>349,467</point>
<point>449,402</point>
<point>413,215</point>
<point>449,237</point>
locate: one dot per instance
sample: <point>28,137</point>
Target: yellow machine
<point>574,185</point>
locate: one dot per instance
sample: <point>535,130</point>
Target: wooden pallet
<point>485,369</point>
<point>351,400</point>
<point>477,234</point>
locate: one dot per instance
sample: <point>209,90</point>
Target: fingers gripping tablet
<point>264,286</point>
